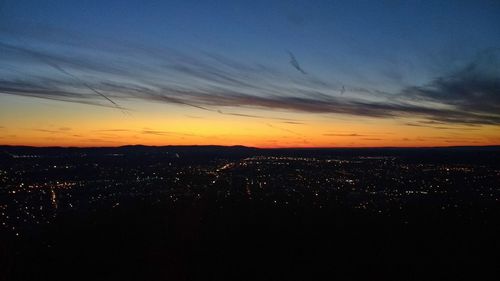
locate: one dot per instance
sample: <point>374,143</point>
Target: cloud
<point>99,140</point>
<point>164,133</point>
<point>474,90</point>
<point>50,131</point>
<point>50,61</point>
<point>211,82</point>
<point>154,132</point>
<point>423,124</point>
<point>48,89</point>
<point>295,63</point>
<point>343,135</point>
<point>284,130</point>
<point>113,130</point>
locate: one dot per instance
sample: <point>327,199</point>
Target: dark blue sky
<point>327,36</point>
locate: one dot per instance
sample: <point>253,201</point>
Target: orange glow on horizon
<point>50,123</point>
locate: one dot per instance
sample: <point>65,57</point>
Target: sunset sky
<point>255,73</point>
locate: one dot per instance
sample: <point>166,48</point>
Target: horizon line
<point>262,148</point>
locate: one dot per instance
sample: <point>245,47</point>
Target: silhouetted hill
<point>435,154</point>
<point>240,148</point>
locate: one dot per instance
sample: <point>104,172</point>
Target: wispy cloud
<point>295,63</point>
<point>49,131</point>
<point>211,82</point>
<point>343,135</point>
<point>293,122</point>
<point>424,125</point>
<point>284,130</point>
<point>155,132</point>
<point>113,130</point>
<point>474,90</point>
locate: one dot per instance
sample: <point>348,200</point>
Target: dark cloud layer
<point>474,90</point>
<point>209,82</point>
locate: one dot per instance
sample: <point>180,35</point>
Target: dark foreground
<point>246,214</point>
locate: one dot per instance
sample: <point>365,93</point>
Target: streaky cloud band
<point>212,82</point>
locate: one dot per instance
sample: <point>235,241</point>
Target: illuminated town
<point>39,184</point>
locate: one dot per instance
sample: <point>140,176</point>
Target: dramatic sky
<point>257,73</point>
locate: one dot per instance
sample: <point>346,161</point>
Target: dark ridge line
<point>256,148</point>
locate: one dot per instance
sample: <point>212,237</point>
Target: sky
<point>254,73</point>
